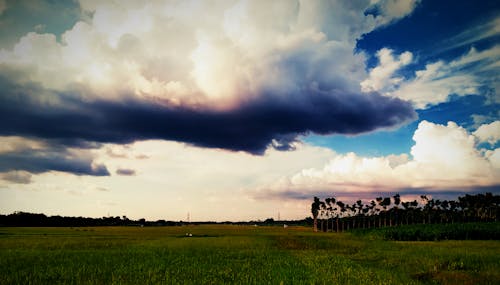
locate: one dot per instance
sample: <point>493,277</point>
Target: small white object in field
<point>190,235</point>
<point>285,226</point>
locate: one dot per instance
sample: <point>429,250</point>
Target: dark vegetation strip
<point>25,219</point>
<point>435,232</point>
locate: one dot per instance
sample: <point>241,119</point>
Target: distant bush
<point>435,232</point>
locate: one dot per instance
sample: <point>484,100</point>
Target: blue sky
<point>432,32</point>
<point>158,108</point>
<point>460,110</point>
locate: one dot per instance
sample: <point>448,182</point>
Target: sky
<point>240,110</point>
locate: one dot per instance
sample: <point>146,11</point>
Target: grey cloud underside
<point>125,172</point>
<point>439,193</point>
<point>250,127</point>
<point>43,160</point>
<point>18,177</point>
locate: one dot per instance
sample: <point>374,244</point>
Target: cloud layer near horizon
<point>173,178</point>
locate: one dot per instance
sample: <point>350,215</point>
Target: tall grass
<point>235,254</point>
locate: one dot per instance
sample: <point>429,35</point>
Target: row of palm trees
<point>331,214</point>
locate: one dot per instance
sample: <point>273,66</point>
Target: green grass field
<point>218,254</point>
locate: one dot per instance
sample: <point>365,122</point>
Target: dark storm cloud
<point>38,161</point>
<point>250,127</point>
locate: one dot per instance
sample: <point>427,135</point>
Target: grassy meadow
<point>222,254</point>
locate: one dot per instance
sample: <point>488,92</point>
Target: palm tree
<point>445,205</point>
<point>323,212</point>
<point>379,202</point>
<point>365,213</point>
<point>359,208</point>
<point>315,207</point>
<point>397,201</point>
<point>342,210</point>
<point>453,210</point>
<point>425,201</point>
<point>408,208</point>
<point>331,204</point>
<point>385,204</point>
<point>413,209</point>
<point>336,210</point>
<point>429,210</point>
<point>373,210</point>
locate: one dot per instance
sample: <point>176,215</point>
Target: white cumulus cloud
<point>489,133</point>
<point>444,157</point>
<point>380,77</point>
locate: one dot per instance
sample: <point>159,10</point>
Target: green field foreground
<point>224,254</point>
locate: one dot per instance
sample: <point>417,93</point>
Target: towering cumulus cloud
<point>235,75</point>
<point>438,149</point>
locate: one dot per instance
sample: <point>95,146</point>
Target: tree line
<point>332,214</point>
<point>26,219</point>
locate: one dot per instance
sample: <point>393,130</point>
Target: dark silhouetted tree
<point>315,208</point>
